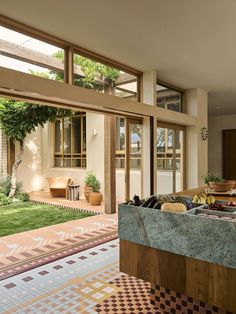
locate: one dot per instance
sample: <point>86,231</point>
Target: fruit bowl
<point>222,186</point>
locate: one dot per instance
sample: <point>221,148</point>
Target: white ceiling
<point>191,43</point>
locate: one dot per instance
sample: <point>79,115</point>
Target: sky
<point>23,41</point>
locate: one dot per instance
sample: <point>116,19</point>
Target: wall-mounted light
<point>95,133</point>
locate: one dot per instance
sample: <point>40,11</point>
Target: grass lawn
<point>23,216</point>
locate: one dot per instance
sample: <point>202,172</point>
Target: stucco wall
<point>216,125</point>
<point>30,170</point>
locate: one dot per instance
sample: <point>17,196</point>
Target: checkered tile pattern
<point>132,297</point>
<point>173,302</point>
<point>48,254</point>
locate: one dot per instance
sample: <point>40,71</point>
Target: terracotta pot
<point>95,198</point>
<point>87,190</point>
<point>222,186</point>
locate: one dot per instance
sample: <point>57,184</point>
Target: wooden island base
<point>180,284</point>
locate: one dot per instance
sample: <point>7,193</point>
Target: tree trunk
<point>14,169</point>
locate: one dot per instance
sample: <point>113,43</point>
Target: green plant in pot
<point>209,177</point>
<point>89,181</point>
<point>95,197</point>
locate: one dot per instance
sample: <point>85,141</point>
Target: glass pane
<point>120,159</point>
<point>135,159</point>
<point>58,162</point>
<point>169,98</point>
<point>76,138</point>
<point>83,163</point>
<point>76,163</point>
<point>105,79</point>
<point>160,140</point>
<point>120,143</point>
<point>179,160</point>
<point>170,139</point>
<point>84,134</point>
<point>27,54</point>
<point>67,162</point>
<point>58,131</point>
<point>67,135</point>
<point>169,160</point>
<point>135,148</point>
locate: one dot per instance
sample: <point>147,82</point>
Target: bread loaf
<point>173,207</point>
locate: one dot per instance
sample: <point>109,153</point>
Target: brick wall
<point>3,155</point>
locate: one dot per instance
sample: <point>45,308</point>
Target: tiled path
<point>87,282</point>
<point>31,244</point>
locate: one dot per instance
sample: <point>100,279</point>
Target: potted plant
<point>95,197</point>
<point>209,177</point>
<point>89,179</point>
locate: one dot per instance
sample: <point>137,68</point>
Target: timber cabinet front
<point>189,260</point>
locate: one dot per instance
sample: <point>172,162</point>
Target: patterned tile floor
<point>86,282</point>
<point>58,250</point>
<point>15,248</point>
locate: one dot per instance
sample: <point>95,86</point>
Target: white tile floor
<point>62,279</point>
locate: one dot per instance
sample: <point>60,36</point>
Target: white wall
<point>30,170</point>
<point>95,145</point>
<point>196,148</point>
<point>216,125</point>
<point>38,158</point>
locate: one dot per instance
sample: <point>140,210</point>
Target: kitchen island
<point>189,259</point>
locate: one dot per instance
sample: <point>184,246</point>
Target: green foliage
<point>23,197</point>
<point>56,76</point>
<point>4,200</point>
<point>18,118</point>
<point>5,186</point>
<point>209,177</point>
<point>96,186</point>
<point>93,72</point>
<point>92,181</point>
<point>90,178</point>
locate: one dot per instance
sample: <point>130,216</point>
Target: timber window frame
<point>69,49</point>
<point>69,149</point>
<point>169,102</point>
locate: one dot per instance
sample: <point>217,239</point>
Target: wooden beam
<point>18,83</point>
<point>110,164</point>
<point>126,90</point>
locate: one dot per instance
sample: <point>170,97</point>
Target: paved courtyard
<point>14,249</point>
<point>86,282</point>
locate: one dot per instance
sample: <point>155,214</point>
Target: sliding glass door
<point>170,158</point>
<point>128,158</point>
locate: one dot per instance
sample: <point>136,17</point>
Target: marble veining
<point>211,240</point>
